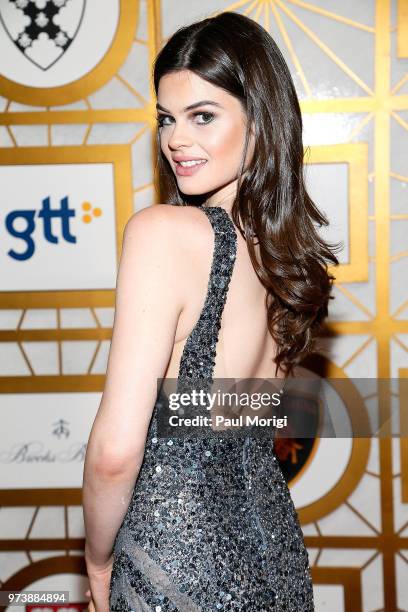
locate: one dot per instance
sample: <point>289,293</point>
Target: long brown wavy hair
<point>272,205</point>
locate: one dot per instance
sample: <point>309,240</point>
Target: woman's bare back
<point>245,348</point>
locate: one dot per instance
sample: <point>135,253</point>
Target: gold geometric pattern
<point>356,157</point>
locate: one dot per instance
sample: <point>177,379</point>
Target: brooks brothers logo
<point>44,216</point>
<point>36,451</point>
<point>42,30</point>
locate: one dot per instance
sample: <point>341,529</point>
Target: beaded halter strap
<point>198,357</point>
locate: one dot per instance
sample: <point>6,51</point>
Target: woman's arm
<point>148,305</point>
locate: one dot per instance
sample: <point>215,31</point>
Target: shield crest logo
<point>42,30</point>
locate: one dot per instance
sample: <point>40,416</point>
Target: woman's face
<point>212,133</point>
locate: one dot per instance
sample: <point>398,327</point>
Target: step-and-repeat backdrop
<point>77,152</point>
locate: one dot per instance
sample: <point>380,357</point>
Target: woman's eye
<point>160,120</point>
<point>207,116</point>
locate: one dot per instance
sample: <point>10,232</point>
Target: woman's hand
<point>91,606</point>
<point>99,581</point>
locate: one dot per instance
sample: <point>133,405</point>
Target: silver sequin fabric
<point>211,524</point>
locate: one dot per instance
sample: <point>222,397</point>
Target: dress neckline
<point>215,208</point>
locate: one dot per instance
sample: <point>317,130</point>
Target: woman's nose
<point>179,136</point>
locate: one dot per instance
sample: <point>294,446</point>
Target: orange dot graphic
<point>86,218</point>
<point>86,206</point>
<point>97,212</point>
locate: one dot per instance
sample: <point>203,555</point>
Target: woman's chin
<point>190,190</point>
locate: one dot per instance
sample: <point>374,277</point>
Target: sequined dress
<point>211,524</point>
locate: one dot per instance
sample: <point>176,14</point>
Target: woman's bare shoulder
<point>182,225</point>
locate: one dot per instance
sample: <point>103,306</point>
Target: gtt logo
<point>46,214</point>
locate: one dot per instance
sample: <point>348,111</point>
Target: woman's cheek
<point>226,143</point>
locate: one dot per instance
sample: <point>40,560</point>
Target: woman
<point>225,282</point>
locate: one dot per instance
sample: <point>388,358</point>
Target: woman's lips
<point>188,170</point>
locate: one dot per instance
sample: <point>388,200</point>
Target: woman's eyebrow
<point>191,106</point>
